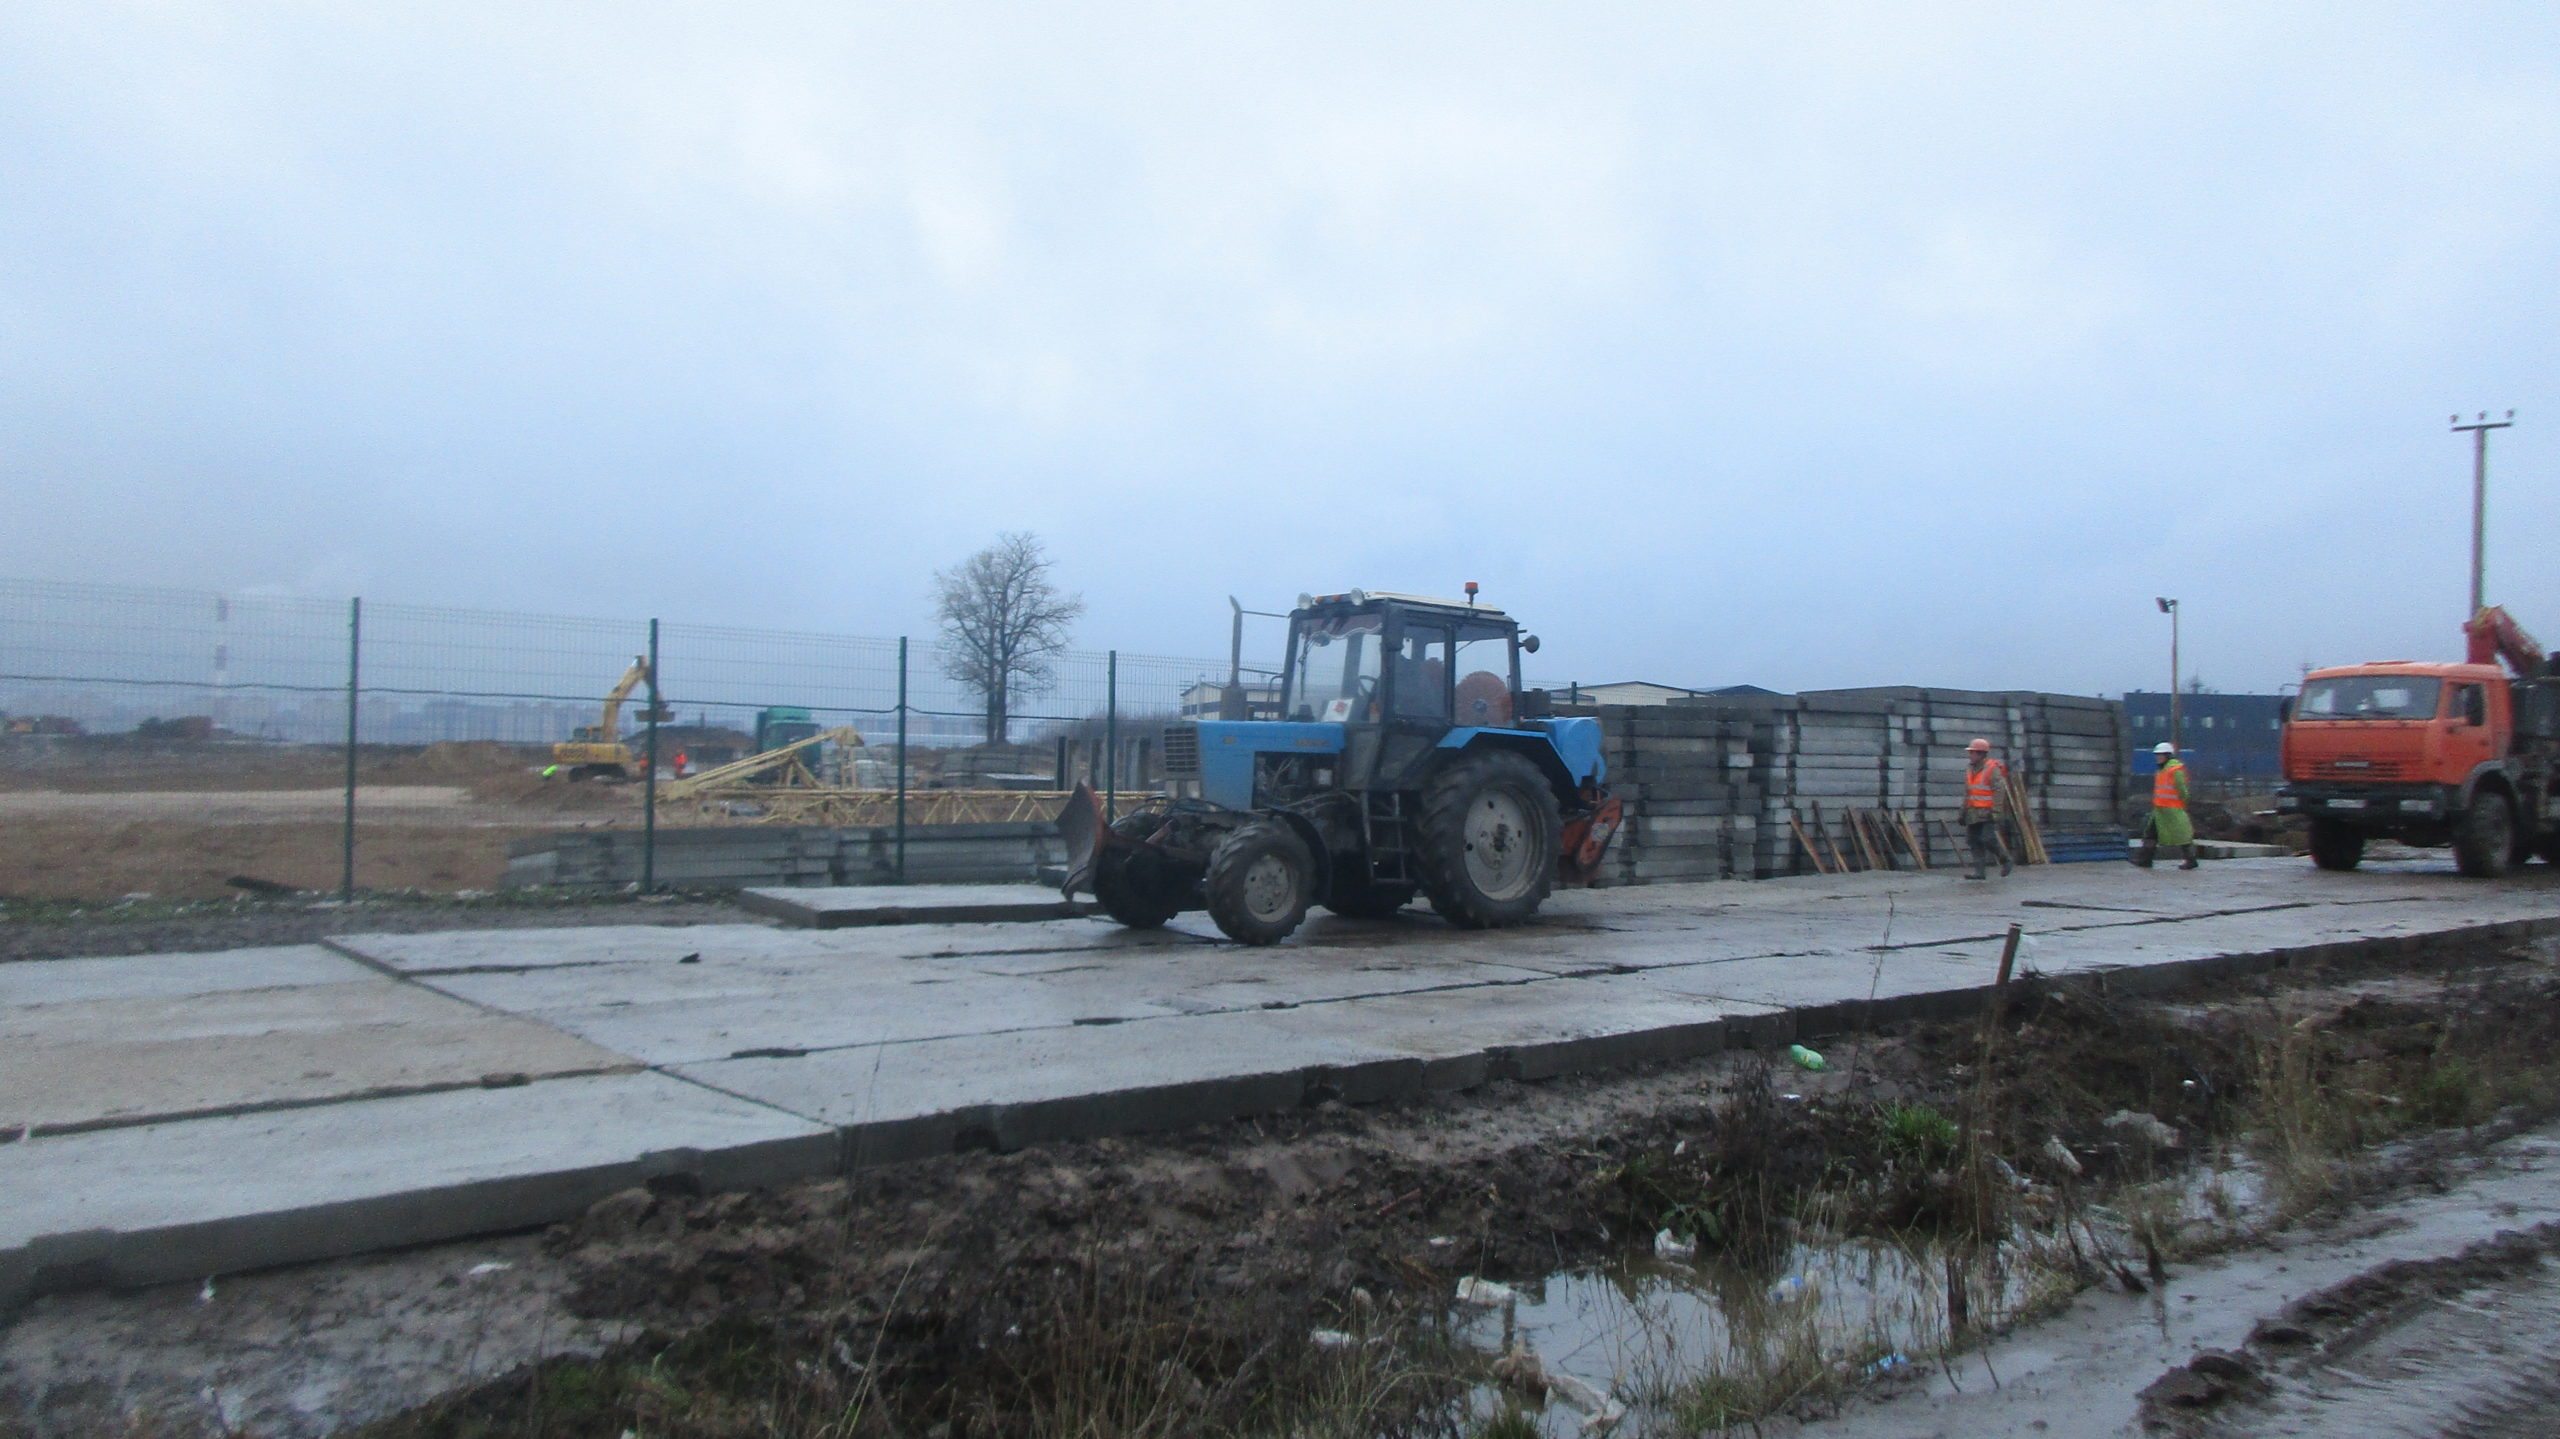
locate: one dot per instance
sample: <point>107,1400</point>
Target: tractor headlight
<point>2418,806</point>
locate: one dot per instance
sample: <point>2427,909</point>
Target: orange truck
<point>2431,754</point>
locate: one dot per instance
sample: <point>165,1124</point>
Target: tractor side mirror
<point>1529,643</point>
<point>2475,705</point>
<point>2284,710</point>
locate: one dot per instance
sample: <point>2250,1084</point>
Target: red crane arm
<point>2495,636</point>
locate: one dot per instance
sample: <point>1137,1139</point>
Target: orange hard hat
<point>1980,746</point>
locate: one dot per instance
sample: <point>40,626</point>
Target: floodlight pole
<point>2480,429</point>
<point>2169,607</point>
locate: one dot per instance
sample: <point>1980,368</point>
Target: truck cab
<point>2426,754</point>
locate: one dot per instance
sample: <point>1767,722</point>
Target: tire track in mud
<point>2462,1347</point>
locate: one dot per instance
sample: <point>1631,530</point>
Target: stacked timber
<point>1752,787</point>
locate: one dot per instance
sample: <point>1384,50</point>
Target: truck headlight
<point>2419,806</point>
<point>2288,802</point>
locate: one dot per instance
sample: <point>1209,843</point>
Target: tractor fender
<point>1538,748</point>
<point>1314,838</point>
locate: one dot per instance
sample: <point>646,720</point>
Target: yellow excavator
<point>596,751</point>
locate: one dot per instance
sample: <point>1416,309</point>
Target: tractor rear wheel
<point>2484,835</point>
<point>2336,844</point>
<point>1260,879</point>
<point>1138,887</point>
<point>1368,901</point>
<point>1486,839</point>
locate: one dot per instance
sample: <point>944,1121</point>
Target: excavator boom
<point>632,679</point>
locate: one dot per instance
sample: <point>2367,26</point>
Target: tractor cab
<point>1401,660</point>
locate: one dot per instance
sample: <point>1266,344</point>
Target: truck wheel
<point>2335,845</point>
<point>1139,888</point>
<point>2484,835</point>
<point>1487,837</point>
<point>1259,880</point>
<point>1369,901</point>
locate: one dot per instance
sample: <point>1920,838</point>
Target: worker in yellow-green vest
<point>1986,785</point>
<point>2170,826</point>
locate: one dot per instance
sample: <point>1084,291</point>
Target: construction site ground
<point>293,1187</point>
<point>196,1113</point>
<point>97,820</point>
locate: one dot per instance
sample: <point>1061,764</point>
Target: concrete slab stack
<point>1692,791</point>
<point>1717,786</point>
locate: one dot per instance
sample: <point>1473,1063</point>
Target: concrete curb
<point>1008,1127</point>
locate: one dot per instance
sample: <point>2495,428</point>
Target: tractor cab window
<point>1488,675</point>
<point>1334,674</point>
<point>2364,697</point>
<point>1422,673</point>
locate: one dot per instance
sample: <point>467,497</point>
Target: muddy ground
<point>99,818</point>
<point>1293,1275</point>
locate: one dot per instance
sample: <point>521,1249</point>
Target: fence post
<point>347,839</point>
<point>649,777</point>
<point>902,760</point>
<point>1111,739</point>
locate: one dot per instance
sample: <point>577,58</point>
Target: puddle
<point>1667,1338</point>
<point>1680,1343</point>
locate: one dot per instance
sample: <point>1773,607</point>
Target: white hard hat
<point>2164,747</point>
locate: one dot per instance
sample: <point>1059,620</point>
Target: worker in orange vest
<point>2171,827</point>
<point>1986,794</point>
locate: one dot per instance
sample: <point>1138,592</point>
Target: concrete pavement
<point>190,1114</point>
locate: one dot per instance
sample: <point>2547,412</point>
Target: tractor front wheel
<point>1260,880</point>
<point>1487,836</point>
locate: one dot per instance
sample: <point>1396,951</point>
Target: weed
<point>1917,1134</point>
<point>2451,1094</point>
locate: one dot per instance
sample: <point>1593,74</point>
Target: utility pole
<point>2169,607</point>
<point>2480,429</point>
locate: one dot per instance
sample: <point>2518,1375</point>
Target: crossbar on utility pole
<point>2480,429</point>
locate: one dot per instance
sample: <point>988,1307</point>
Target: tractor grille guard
<point>1181,749</point>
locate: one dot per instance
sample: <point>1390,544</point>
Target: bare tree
<point>1002,623</point>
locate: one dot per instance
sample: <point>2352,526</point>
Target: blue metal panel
<point>1227,748</point>
<point>1576,741</point>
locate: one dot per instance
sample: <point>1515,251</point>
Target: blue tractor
<point>1406,760</point>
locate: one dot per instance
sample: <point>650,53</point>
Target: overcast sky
<point>1796,344</point>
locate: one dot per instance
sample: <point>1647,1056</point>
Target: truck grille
<point>1181,751</point>
<point>2351,768</point>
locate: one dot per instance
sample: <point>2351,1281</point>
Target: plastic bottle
<point>1806,1058</point>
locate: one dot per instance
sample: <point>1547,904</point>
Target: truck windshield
<point>1335,675</point>
<point>2369,697</point>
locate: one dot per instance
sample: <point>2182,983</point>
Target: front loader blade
<point>1081,827</point>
